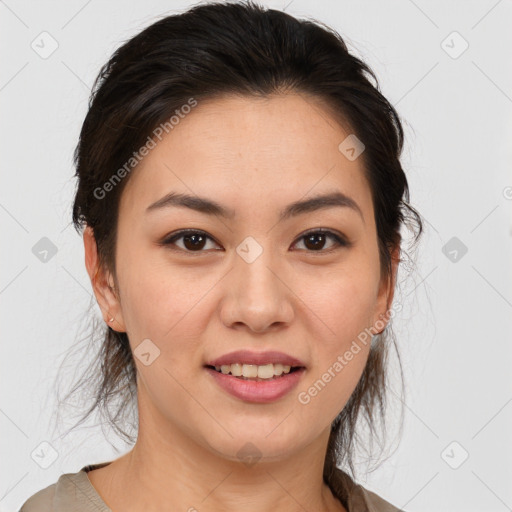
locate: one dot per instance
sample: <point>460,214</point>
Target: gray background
<point>454,331</point>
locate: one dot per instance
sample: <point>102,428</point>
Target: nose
<point>258,295</point>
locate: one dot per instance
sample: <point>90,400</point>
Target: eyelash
<point>340,240</point>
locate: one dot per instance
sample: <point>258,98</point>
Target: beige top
<point>74,492</point>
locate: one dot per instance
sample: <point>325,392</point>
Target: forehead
<point>249,152</point>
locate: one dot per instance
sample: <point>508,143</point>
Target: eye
<point>315,240</point>
<point>195,240</point>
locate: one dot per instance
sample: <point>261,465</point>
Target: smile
<point>250,387</point>
<point>252,371</point>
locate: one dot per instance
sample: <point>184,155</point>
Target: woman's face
<point>254,282</point>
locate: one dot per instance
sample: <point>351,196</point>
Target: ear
<point>102,283</point>
<point>386,293</point>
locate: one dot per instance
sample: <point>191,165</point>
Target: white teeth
<point>265,372</point>
<point>251,371</point>
<point>236,370</point>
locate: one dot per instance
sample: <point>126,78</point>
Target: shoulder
<point>376,503</point>
<point>41,501</point>
<point>72,491</point>
<point>357,498</point>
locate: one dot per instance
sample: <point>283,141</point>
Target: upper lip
<point>256,358</point>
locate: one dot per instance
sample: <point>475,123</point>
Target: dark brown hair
<point>238,48</point>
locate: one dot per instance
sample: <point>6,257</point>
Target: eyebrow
<point>210,207</point>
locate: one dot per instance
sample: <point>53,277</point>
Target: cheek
<point>164,305</point>
<point>339,355</point>
<point>346,309</point>
<point>343,301</point>
<point>340,308</point>
<point>349,310</point>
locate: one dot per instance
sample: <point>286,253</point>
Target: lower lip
<point>263,391</point>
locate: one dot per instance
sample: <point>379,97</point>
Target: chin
<point>255,443</point>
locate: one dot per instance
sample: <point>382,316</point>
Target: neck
<point>167,467</point>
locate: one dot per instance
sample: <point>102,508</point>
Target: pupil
<point>312,237</point>
<point>195,243</point>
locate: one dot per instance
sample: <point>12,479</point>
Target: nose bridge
<point>259,297</point>
<point>254,262</point>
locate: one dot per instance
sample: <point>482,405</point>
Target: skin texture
<point>254,156</point>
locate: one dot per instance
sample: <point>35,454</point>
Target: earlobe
<point>102,284</point>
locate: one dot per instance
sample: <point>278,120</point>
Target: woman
<point>242,197</point>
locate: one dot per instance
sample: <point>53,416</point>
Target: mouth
<point>252,376</point>
<point>256,384</point>
<point>256,373</point>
